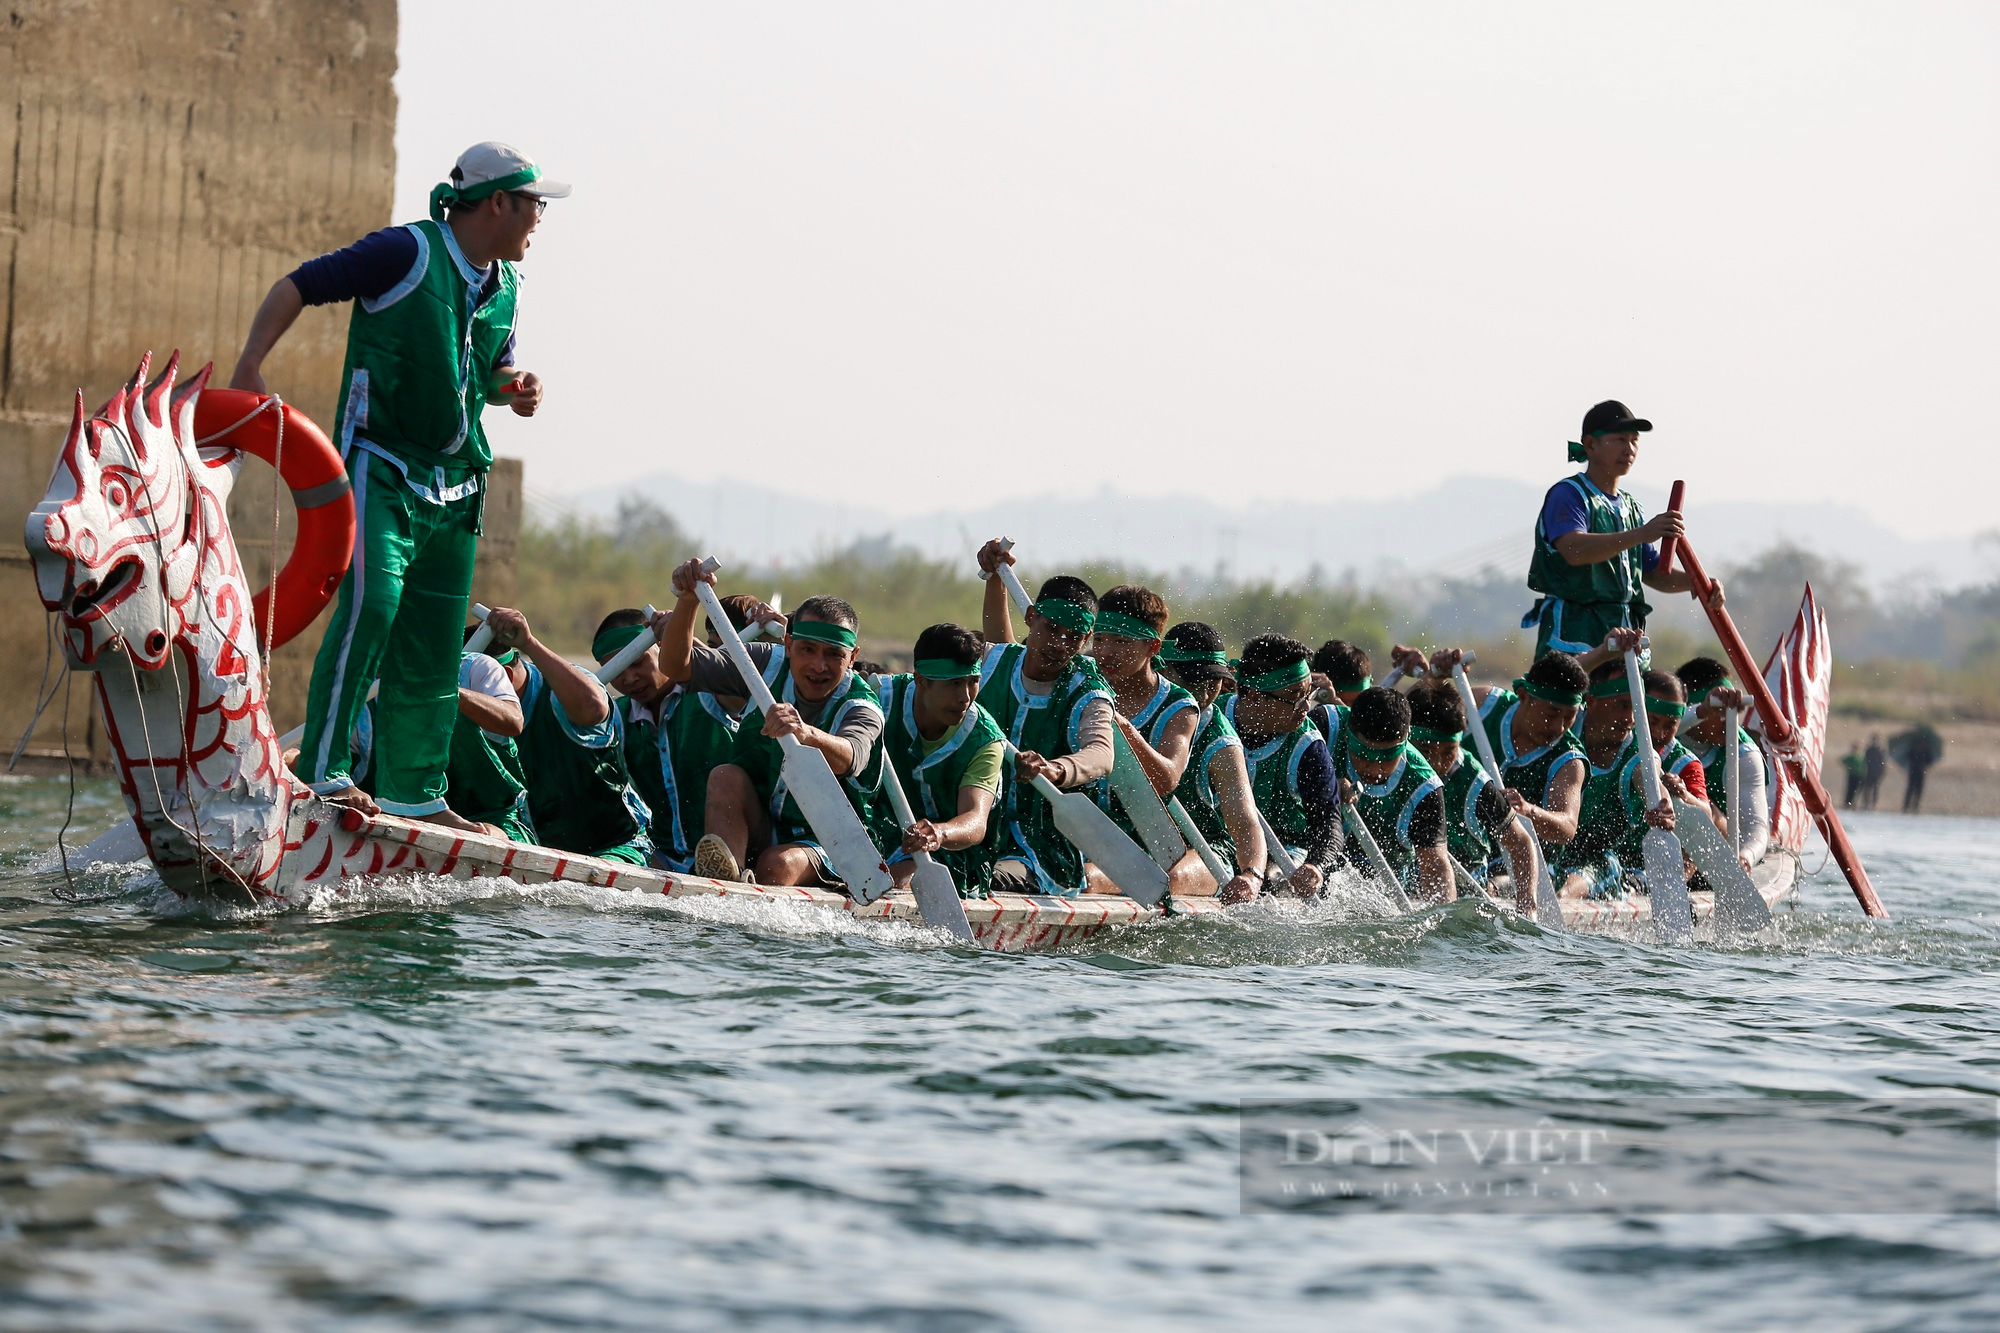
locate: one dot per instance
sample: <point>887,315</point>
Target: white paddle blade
<point>1275,850</point>
<point>1209,857</point>
<point>1673,910</point>
<point>823,801</point>
<point>1739,908</point>
<point>1102,842</point>
<point>1142,804</point>
<point>937,898</point>
<point>1548,907</point>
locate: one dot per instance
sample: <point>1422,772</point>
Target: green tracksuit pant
<point>400,616</point>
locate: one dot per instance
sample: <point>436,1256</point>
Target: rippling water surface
<point>478,1106</point>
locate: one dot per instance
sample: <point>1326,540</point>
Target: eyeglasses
<point>541,204</point>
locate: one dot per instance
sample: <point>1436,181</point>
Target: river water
<point>483,1107</point>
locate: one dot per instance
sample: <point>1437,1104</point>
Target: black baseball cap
<point>1612,417</point>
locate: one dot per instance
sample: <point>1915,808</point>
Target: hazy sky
<point>929,254</point>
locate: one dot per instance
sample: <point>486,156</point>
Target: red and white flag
<point>1800,674</point>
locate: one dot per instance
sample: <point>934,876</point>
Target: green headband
<point>1665,707</point>
<point>822,631</point>
<point>1071,615</point>
<point>1170,652</point>
<point>606,645</point>
<point>1277,678</point>
<point>1548,694</point>
<point>945,668</point>
<point>1432,736</point>
<point>1611,687</point>
<point>445,193</point>
<point>1364,683</point>
<point>1374,754</point>
<point>1123,626</point>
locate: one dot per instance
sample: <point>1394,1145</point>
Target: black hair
<point>1341,660</point>
<point>619,619</point>
<point>1129,599</point>
<point>869,669</point>
<point>1664,683</point>
<point>1435,704</point>
<point>955,643</point>
<point>1380,716</point>
<point>1614,669</point>
<point>1268,652</point>
<point>1560,671</point>
<point>1700,675</point>
<point>831,610</point>
<point>1192,636</point>
<point>1069,588</point>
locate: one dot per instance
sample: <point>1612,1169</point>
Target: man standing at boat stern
<point>430,344</point>
<point>1595,552</point>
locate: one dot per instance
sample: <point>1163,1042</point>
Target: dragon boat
<point>134,555</point>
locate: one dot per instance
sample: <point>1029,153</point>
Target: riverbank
<point>1966,782</point>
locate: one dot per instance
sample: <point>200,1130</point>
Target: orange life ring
<point>320,491</point>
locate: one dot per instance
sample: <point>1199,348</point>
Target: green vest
<point>669,759</point>
<point>1613,586</point>
<point>1215,734</point>
<point>1388,807</point>
<point>1274,778</point>
<point>932,781</point>
<point>1048,725</point>
<point>1532,773</point>
<point>484,780</point>
<point>763,758</point>
<point>1614,807</point>
<point>1150,721</point>
<point>1331,719</point>
<point>1467,838</point>
<point>418,365</point>
<point>576,795</point>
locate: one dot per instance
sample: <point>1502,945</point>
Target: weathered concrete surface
<point>164,164</point>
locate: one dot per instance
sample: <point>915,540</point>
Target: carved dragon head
<point>118,537</point>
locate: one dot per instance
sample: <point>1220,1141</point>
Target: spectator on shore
<point>1920,749</point>
<point>1855,765</point>
<point>1877,761</point>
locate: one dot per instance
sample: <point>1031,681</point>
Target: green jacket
<point>419,360</point>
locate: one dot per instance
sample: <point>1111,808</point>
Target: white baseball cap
<point>490,167</point>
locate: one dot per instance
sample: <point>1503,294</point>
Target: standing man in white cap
<point>429,345</point>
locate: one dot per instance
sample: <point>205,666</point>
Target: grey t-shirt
<point>713,672</point>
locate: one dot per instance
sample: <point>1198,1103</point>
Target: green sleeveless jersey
<point>1169,701</point>
<point>669,757</point>
<point>763,758</point>
<point>1469,842</point>
<point>1212,735</point>
<point>1532,773</point>
<point>932,781</point>
<point>1331,719</point>
<point>484,780</point>
<point>1388,806</point>
<point>579,792</point>
<point>1048,725</point>
<point>1614,806</point>
<point>1612,589</point>
<point>418,363</point>
<point>1274,779</point>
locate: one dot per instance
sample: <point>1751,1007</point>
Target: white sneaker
<point>714,860</point>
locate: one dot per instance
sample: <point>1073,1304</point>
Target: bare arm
<point>1230,778</point>
<point>279,312</point>
<point>1164,766</point>
<point>1434,878</point>
<point>502,717</point>
<point>1521,853</point>
<point>1555,822</point>
<point>1594,548</point>
<point>583,700</point>
<point>996,619</point>
<point>676,632</point>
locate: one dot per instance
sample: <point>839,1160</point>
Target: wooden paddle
<point>807,775</point>
<point>1101,841</point>
<point>936,893</point>
<point>1548,908</point>
<point>1673,911</point>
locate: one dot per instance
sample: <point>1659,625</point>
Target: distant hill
<point>1459,529</point>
